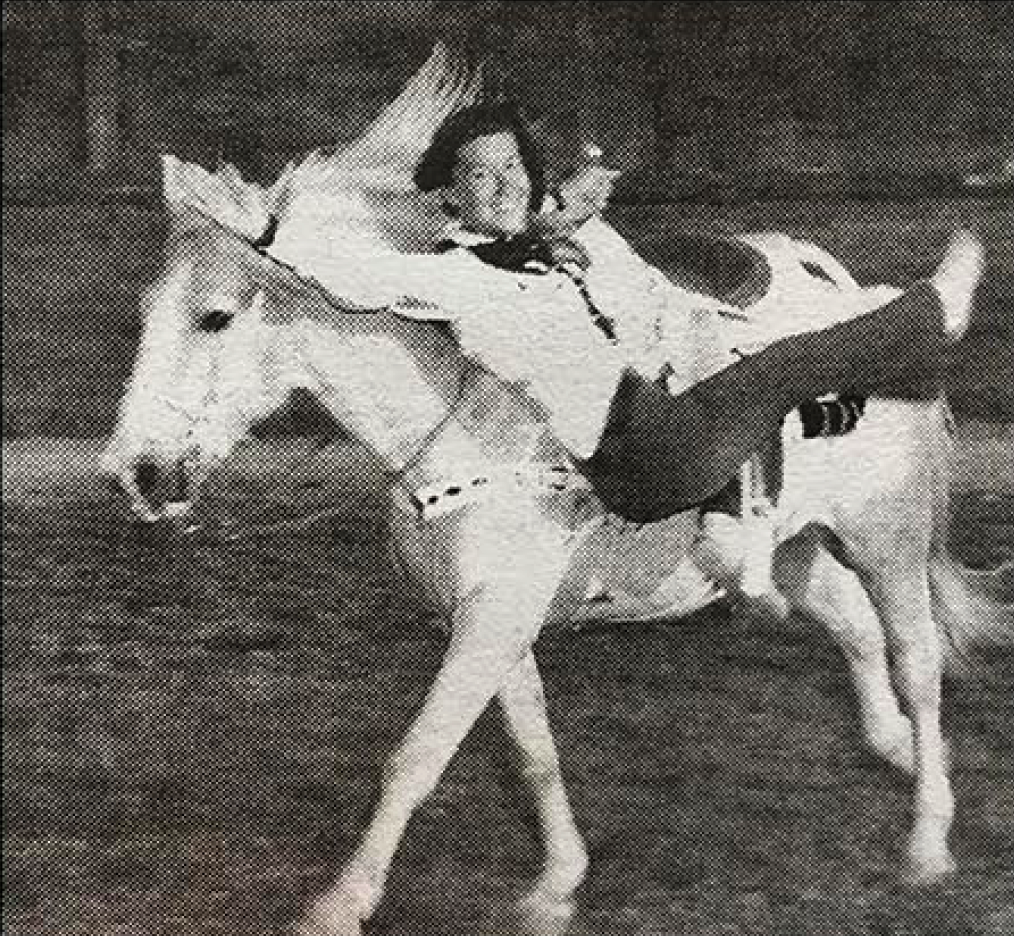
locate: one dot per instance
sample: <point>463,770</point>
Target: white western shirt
<point>535,330</point>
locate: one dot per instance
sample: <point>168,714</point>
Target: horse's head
<point>210,362</point>
<point>204,372</point>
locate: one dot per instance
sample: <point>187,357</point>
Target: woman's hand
<point>586,193</point>
<point>582,197</point>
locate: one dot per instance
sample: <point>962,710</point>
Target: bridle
<point>395,477</point>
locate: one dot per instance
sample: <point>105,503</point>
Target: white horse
<point>488,518</point>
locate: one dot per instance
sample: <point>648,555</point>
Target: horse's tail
<point>974,610</point>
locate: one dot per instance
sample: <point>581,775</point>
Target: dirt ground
<point>195,730</point>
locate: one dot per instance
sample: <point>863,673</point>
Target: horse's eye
<point>215,321</point>
<point>818,271</point>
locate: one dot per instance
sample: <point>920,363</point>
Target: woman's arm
<point>580,198</point>
<point>450,287</point>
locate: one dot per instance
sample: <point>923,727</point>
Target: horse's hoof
<point>927,870</point>
<point>900,756</point>
<point>896,747</point>
<point>956,280</point>
<point>331,916</point>
<point>542,913</point>
<point>562,875</point>
<point>547,908</point>
<point>771,604</point>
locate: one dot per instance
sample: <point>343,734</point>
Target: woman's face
<point>490,188</point>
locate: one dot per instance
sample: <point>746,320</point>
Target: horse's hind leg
<point>821,588</point>
<point>566,860</point>
<point>902,595</point>
<point>493,629</point>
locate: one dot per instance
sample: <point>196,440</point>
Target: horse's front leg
<point>566,860</point>
<point>901,594</point>
<point>495,622</point>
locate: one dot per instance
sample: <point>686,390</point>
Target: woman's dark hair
<point>436,167</point>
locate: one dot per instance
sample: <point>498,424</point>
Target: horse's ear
<point>222,196</point>
<point>177,197</point>
<point>171,186</point>
<point>183,219</point>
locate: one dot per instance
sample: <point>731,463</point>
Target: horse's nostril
<point>158,485</point>
<point>146,477</point>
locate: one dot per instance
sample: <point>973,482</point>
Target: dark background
<point>872,128</point>
<point>194,728</point>
<point>836,95</point>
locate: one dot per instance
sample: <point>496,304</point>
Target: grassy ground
<point>195,728</point>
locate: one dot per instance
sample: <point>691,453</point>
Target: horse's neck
<point>393,382</point>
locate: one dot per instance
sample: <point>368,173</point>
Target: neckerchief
<point>531,253</point>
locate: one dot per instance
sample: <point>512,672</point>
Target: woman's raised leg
<point>661,454</point>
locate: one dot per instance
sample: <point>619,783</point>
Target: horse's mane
<point>384,157</point>
<point>362,192</point>
<point>361,201</point>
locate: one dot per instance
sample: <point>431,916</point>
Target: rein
<point>398,475</point>
<point>394,476</point>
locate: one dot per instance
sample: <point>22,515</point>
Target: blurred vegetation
<point>858,124</point>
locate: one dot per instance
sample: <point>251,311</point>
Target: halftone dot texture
<point>196,728</point>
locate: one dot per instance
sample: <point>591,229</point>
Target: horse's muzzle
<point>157,493</point>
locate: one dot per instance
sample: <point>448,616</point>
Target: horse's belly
<point>874,475</point>
<point>636,558</point>
<point>508,539</point>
